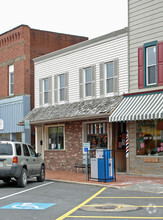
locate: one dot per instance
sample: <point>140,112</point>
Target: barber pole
<point>127,144</point>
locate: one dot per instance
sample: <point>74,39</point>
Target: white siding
<point>145,25</point>
<point>94,54</point>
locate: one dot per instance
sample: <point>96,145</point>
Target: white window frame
<point>11,73</point>
<point>90,82</point>
<point>47,137</point>
<point>105,83</point>
<point>47,91</point>
<point>147,65</point>
<point>59,88</point>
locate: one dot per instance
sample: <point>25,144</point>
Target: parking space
<point>118,204</point>
<point>57,200</point>
<point>47,200</point>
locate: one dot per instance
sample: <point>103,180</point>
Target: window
<point>26,151</point>
<point>97,135</point>
<point>88,80</point>
<point>150,65</point>
<point>45,91</point>
<point>18,149</point>
<point>33,154</point>
<point>56,138</point>
<point>149,135</point>
<point>109,77</point>
<point>61,88</point>
<point>11,79</point>
<point>61,91</point>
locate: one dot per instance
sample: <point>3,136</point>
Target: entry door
<point>119,135</point>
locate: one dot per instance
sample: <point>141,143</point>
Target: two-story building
<point>142,108</point>
<point>17,49</point>
<point>76,89</point>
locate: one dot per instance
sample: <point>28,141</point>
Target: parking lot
<point>57,200</point>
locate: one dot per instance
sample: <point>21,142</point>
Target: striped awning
<point>146,106</point>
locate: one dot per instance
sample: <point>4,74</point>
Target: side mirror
<point>38,155</point>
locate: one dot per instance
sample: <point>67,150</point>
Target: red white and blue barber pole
<point>127,144</point>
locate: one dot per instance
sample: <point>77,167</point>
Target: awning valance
<point>146,106</point>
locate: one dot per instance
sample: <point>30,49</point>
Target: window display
<point>97,135</point>
<point>56,138</point>
<point>149,136</point>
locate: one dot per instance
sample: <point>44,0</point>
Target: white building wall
<point>145,25</point>
<point>92,54</point>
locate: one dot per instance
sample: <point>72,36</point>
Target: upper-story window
<point>150,53</point>
<point>87,82</point>
<point>109,78</point>
<point>45,91</point>
<point>61,87</point>
<point>11,79</point>
<point>61,91</point>
<point>150,65</point>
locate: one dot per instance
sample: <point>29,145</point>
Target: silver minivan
<point>19,161</point>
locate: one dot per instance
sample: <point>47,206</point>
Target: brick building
<point>17,49</point>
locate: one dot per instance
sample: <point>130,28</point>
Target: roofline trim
<point>81,44</point>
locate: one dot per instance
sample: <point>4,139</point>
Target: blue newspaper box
<point>106,167</point>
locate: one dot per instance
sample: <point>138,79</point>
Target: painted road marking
<point>66,215</point>
<point>140,206</point>
<point>113,217</point>
<point>14,194</point>
<point>33,206</point>
<point>127,197</point>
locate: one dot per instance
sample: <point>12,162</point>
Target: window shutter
<point>50,90</point>
<point>66,78</point>
<point>81,92</point>
<point>55,89</point>
<point>160,63</point>
<point>116,77</point>
<point>140,67</point>
<point>102,84</point>
<point>93,87</point>
<point>40,92</point>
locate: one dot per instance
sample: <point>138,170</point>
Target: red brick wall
<point>12,52</point>
<point>65,159</point>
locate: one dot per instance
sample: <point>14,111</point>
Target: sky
<point>89,18</point>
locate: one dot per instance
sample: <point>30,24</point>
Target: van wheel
<point>22,179</point>
<point>41,178</point>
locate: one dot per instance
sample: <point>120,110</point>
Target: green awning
<point>146,106</point>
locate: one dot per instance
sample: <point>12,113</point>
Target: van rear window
<point>5,149</point>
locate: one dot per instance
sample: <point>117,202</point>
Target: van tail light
<point>15,160</point>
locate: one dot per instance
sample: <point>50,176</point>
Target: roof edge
<point>81,44</point>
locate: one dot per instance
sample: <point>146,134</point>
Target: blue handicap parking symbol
<point>25,205</point>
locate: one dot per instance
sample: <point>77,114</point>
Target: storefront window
<point>97,135</point>
<point>149,136</point>
<point>56,138</point>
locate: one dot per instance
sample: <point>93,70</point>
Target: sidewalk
<point>124,181</point>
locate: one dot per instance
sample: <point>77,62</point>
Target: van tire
<point>41,177</point>
<point>22,179</point>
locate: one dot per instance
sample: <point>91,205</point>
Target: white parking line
<point>14,194</point>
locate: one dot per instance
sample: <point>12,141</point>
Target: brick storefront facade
<point>65,159</point>
<point>18,47</point>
